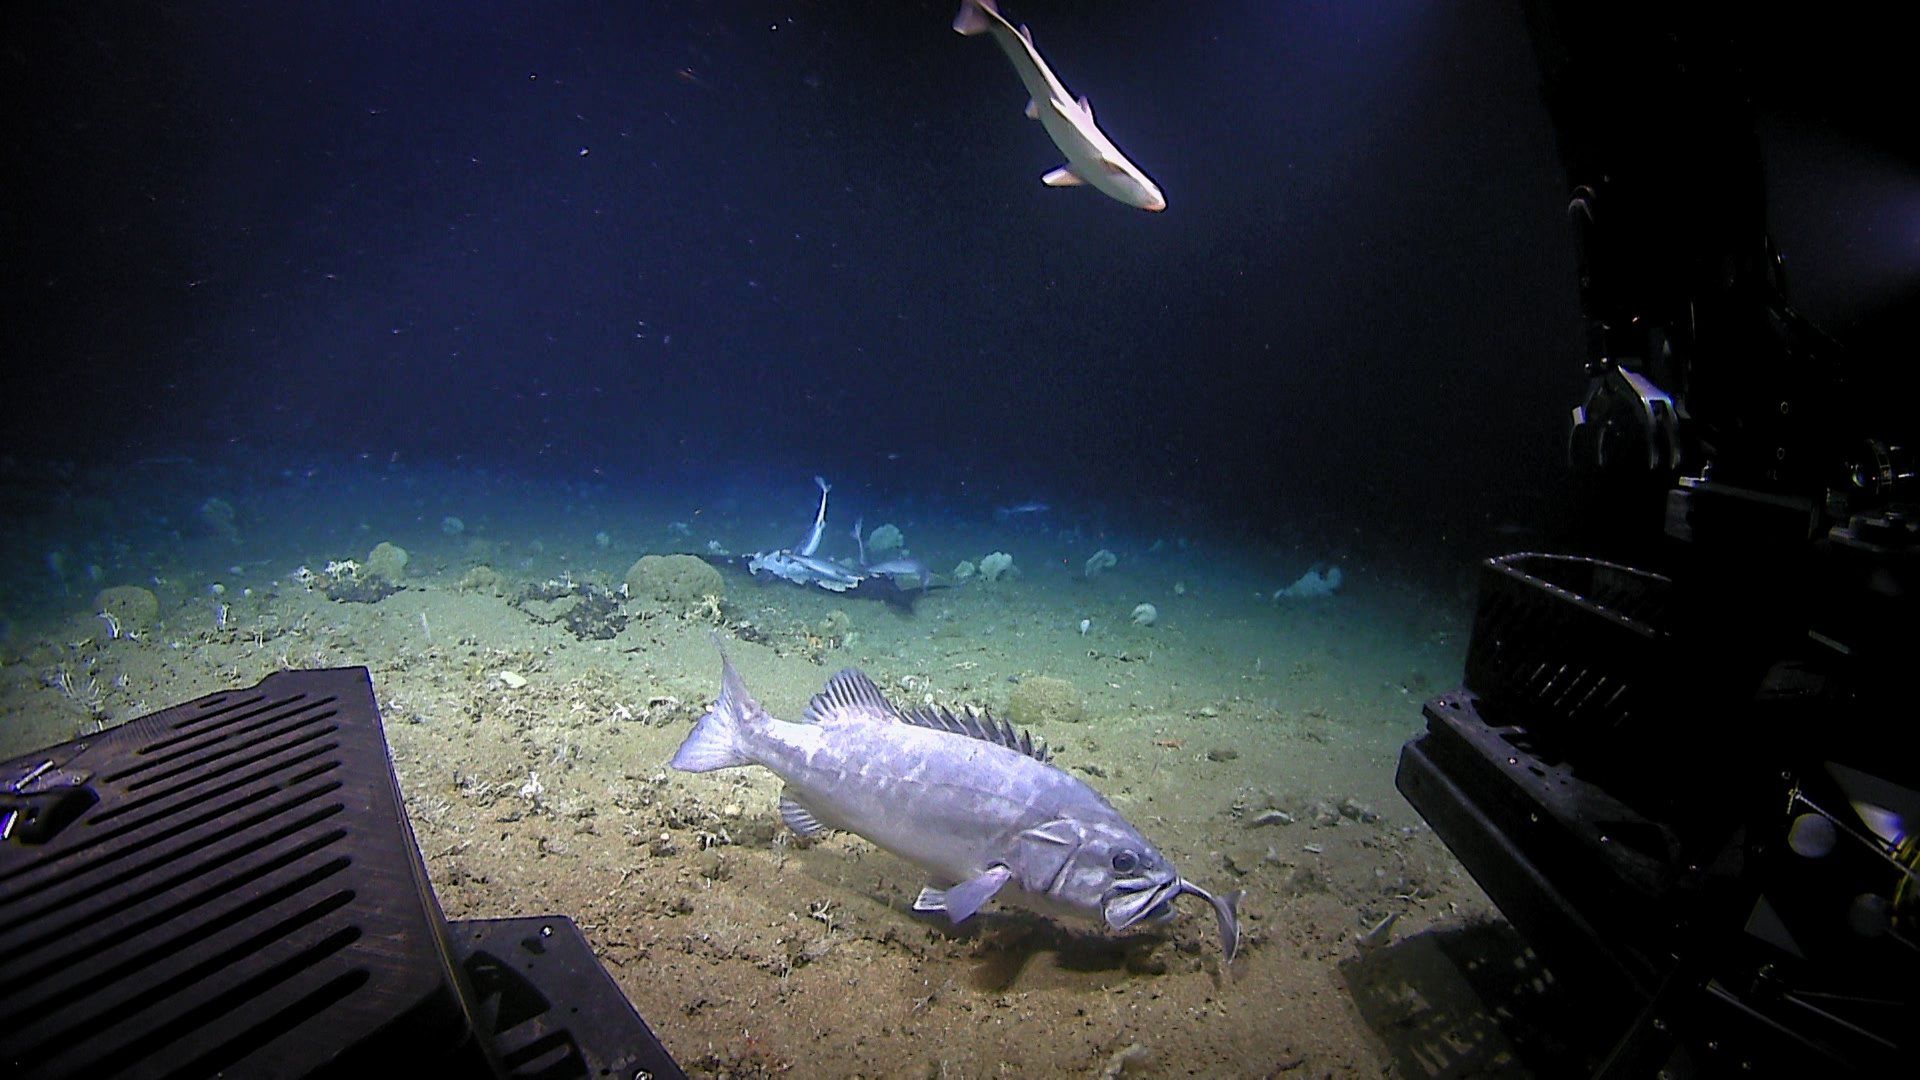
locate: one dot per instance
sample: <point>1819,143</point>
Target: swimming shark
<point>1091,156</point>
<point>1004,513</point>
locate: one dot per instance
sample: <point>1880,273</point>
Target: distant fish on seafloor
<point>900,567</point>
<point>812,543</point>
<point>1319,580</point>
<point>1005,513</point>
<point>971,801</point>
<point>896,567</point>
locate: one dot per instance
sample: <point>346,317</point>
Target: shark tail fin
<point>973,19</point>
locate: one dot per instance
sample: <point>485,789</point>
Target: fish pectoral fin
<point>930,899</point>
<point>1062,177</point>
<point>962,900</point>
<point>800,819</point>
<point>1033,109</point>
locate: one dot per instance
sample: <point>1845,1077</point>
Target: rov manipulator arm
<point>1696,360</point>
<point>1692,784</point>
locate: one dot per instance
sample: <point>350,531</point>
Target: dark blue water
<point>630,241</point>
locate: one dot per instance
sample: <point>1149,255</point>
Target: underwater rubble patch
<point>588,612</point>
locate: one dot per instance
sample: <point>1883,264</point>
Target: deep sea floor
<point>531,709</point>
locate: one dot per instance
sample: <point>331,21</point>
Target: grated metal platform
<point>231,887</point>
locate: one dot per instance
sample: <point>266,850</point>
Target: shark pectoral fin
<point>1033,109</point>
<point>800,819</point>
<point>1062,177</point>
<point>962,900</point>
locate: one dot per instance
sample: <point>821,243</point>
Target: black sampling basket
<point>1577,653</point>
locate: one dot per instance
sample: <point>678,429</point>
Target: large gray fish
<point>966,798</point>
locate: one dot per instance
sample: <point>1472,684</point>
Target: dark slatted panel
<point>228,903</point>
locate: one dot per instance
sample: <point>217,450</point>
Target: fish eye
<point>1125,861</point>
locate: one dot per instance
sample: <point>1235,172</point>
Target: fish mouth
<point>1226,913</point>
<point>1146,900</point>
<point>1128,902</point>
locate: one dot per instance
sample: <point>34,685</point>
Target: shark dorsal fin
<point>1026,34</point>
<point>979,725</point>
<point>850,695</point>
<point>1087,107</point>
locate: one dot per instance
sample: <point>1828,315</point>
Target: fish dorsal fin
<point>850,695</point>
<point>979,725</point>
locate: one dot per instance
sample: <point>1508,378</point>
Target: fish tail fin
<point>973,17</point>
<point>717,742</point>
<point>713,744</point>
